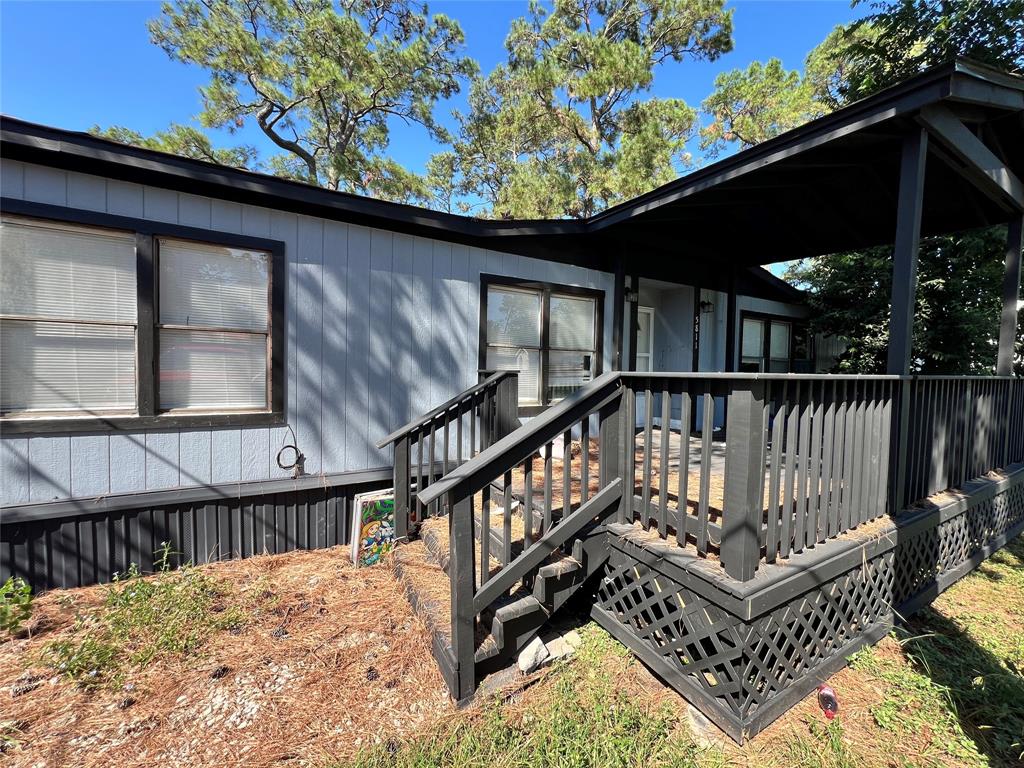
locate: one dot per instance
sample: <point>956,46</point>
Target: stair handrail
<point>525,441</point>
<point>422,421</point>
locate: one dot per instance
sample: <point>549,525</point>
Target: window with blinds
<point>108,322</point>
<point>549,337</point>
<point>213,327</point>
<point>68,318</point>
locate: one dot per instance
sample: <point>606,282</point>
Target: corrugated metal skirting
<point>82,549</point>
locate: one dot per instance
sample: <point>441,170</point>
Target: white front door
<point>645,339</point>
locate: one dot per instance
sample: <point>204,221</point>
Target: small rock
<point>391,684</point>
<point>372,674</point>
<point>219,672</point>
<point>26,684</point>
<point>572,637</point>
<point>533,655</point>
<point>126,702</point>
<point>280,632</point>
<point>558,647</point>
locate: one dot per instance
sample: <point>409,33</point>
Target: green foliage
<point>565,126</point>
<point>752,105</point>
<point>182,140</point>
<point>958,297</point>
<point>15,604</point>
<point>960,276</point>
<point>585,720</point>
<point>912,35</point>
<point>171,613</point>
<point>826,747</point>
<point>321,80</point>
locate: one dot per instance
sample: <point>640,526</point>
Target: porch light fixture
<point>707,307</point>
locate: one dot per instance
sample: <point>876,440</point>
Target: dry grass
<point>330,665</point>
<point>328,660</point>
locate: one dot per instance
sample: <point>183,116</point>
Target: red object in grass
<point>828,701</point>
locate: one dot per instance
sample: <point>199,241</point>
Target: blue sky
<point>77,64</point>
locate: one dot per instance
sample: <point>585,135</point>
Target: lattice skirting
<point>743,674</point>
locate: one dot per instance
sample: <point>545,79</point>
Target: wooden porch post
<point>634,300</point>
<point>1011,297</point>
<point>744,479</point>
<point>618,315</point>
<point>904,290</point>
<point>908,239</point>
<point>730,325</point>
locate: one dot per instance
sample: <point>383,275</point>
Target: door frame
<point>650,312</point>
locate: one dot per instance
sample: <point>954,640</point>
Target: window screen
<point>213,327</point>
<point>67,318</point>
<point>515,334</point>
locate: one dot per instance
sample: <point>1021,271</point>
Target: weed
<point>15,604</point>
<point>171,613</point>
<point>576,722</point>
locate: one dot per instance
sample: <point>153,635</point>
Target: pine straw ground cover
<point>323,660</point>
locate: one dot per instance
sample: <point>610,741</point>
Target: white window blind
<point>513,317</point>
<point>572,323</point>
<point>67,318</point>
<point>515,329</point>
<point>214,324</point>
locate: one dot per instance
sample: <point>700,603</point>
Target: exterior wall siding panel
<point>380,327</point>
<point>78,547</point>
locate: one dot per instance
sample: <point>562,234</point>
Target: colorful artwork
<point>374,526</point>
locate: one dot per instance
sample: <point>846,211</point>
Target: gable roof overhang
<point>828,186</point>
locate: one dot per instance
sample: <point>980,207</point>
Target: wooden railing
<point>959,428</point>
<point>475,587</point>
<point>774,464</point>
<point>433,444</point>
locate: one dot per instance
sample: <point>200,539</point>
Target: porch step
<point>515,619</point>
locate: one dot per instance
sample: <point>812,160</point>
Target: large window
<point>549,333</point>
<point>108,322</point>
<point>775,345</point>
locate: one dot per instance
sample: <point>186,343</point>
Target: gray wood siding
<point>381,326</point>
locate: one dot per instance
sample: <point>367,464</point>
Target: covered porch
<point>744,532</point>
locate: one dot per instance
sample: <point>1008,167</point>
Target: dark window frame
<point>768,318</point>
<point>546,289</point>
<point>147,235</point>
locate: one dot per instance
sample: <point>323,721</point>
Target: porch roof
<point>827,186</point>
<point>832,184</point>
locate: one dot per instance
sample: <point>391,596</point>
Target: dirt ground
<point>329,659</point>
<point>329,663</point>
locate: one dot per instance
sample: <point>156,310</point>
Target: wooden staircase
<point>518,615</point>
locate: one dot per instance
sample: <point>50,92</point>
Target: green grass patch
<point>140,619</point>
<point>581,719</point>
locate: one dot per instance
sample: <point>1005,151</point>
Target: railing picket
<point>528,503</point>
<point>420,483</point>
<point>433,454</point>
<point>566,473</point>
<point>838,446</point>
<point>485,534</point>
<point>645,484</point>
<point>548,450</point>
<point>682,508</point>
<point>800,534</point>
<point>849,459</point>
<point>786,541</point>
<point>814,492</point>
<point>774,476</point>
<point>827,444</point>
<point>458,434</point>
<point>666,433</point>
<point>629,446</point>
<point>447,444</point>
<point>706,435</point>
<point>507,520</point>
<point>884,438</point>
<point>473,416</point>
<point>585,461</point>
